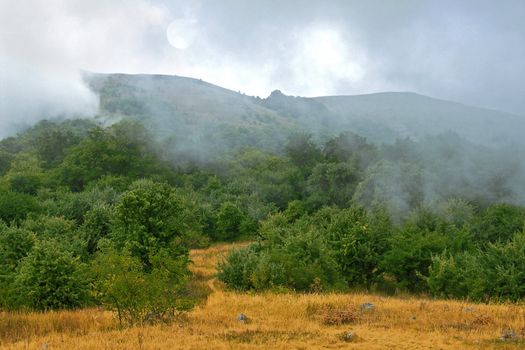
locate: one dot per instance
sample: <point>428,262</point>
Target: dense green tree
<point>350,146</point>
<point>25,174</point>
<point>498,223</point>
<point>232,222</point>
<point>123,149</point>
<point>302,151</point>
<point>332,184</point>
<point>15,244</point>
<point>50,277</point>
<point>16,206</point>
<point>151,217</point>
<point>96,226</point>
<point>359,241</point>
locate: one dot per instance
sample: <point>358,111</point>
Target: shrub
<point>359,241</point>
<point>152,216</point>
<point>138,296</point>
<point>498,272</point>
<point>299,262</point>
<point>50,277</point>
<point>302,263</point>
<point>237,269</point>
<point>15,206</point>
<point>498,223</point>
<point>15,244</point>
<point>97,225</point>
<point>447,277</point>
<point>232,222</point>
<point>50,227</point>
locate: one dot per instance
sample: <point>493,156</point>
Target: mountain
<point>207,117</point>
<point>414,115</point>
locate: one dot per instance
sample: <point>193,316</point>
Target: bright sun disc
<point>181,33</point>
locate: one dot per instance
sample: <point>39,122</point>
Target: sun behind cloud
<point>181,33</point>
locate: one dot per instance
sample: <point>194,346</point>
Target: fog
<point>468,51</point>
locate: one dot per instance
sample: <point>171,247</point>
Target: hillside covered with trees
<point>105,214</point>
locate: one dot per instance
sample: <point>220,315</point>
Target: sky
<point>462,50</point>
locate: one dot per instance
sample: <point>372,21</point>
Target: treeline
<point>454,250</point>
<point>106,215</point>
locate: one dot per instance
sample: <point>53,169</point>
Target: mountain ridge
<point>196,109</point>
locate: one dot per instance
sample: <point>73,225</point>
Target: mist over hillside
<point>449,148</point>
<point>196,109</point>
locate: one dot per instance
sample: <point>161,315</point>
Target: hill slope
<point>206,116</point>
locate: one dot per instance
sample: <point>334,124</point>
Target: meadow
<point>279,321</point>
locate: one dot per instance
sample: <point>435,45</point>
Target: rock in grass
<point>348,336</point>
<point>508,335</point>
<point>242,318</point>
<point>367,307</point>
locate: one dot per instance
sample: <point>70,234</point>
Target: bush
<point>74,206</point>
<point>14,206</point>
<point>97,225</point>
<point>232,222</point>
<point>495,273</point>
<point>447,277</point>
<point>138,296</point>
<point>300,262</point>
<point>50,277</point>
<point>498,223</point>
<point>50,227</point>
<point>15,244</point>
<point>359,241</point>
<point>237,269</point>
<point>152,216</point>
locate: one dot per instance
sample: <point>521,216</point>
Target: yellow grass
<point>278,321</point>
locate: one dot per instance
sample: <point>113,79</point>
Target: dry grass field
<point>279,321</point>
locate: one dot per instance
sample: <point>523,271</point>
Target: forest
<point>95,214</point>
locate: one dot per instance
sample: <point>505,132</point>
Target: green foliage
<point>238,268</point>
<point>96,226</point>
<point>302,151</point>
<point>123,149</point>
<point>348,146</point>
<point>138,296</point>
<point>498,223</point>
<point>274,179</point>
<point>25,174</point>
<point>495,273</point>
<point>415,244</point>
<point>151,217</point>
<point>360,241</point>
<point>332,184</point>
<point>344,214</point>
<point>50,277</point>
<point>51,140</point>
<point>15,244</point>
<point>302,262</point>
<point>233,223</point>
<point>75,205</point>
<point>15,206</point>
<point>50,227</point>
<point>447,277</point>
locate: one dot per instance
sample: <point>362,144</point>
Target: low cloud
<point>471,52</point>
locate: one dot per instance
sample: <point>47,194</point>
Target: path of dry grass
<point>278,321</point>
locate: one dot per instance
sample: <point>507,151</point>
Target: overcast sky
<point>468,51</point>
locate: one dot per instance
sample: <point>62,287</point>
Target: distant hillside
<point>414,115</point>
<point>207,118</point>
